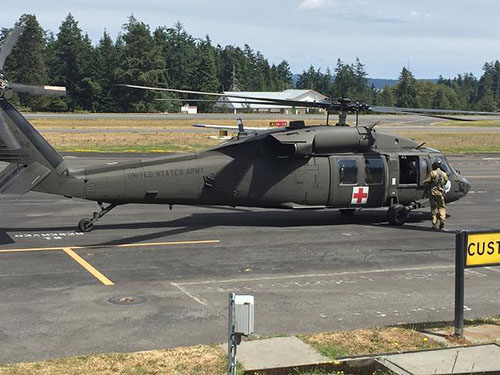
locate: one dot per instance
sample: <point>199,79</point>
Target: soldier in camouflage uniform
<point>435,183</point>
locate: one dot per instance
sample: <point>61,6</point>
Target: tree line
<point>171,57</point>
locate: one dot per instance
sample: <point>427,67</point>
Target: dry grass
<point>458,142</point>
<point>138,123</point>
<point>131,142</point>
<point>476,123</point>
<point>198,360</point>
<point>369,341</point>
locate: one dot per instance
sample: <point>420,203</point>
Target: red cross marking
<point>359,195</point>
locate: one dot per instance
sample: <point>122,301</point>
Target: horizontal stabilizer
<point>17,179</point>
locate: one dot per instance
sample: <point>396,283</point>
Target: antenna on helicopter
<point>241,128</point>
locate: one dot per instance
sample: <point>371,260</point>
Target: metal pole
<point>231,344</point>
<point>460,241</point>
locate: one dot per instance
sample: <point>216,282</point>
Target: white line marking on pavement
<point>314,275</point>
<point>197,298</point>
<point>493,269</point>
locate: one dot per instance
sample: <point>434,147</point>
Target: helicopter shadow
<point>267,219</point>
<point>241,218</point>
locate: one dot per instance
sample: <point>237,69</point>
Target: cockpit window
<point>444,165</point>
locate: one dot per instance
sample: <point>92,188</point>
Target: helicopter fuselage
<point>255,171</point>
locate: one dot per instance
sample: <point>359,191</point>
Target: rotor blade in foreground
<point>8,43</point>
<point>291,103</point>
<point>38,90</point>
<point>424,111</point>
<point>7,140</point>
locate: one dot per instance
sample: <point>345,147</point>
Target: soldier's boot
<point>441,226</point>
<point>433,226</point>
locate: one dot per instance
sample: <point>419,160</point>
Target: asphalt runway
<point>150,278</point>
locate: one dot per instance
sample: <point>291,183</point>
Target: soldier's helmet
<point>436,164</point>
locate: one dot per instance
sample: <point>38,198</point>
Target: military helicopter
<point>340,167</point>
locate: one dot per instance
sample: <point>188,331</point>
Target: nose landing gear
<point>87,224</point>
<point>399,214</point>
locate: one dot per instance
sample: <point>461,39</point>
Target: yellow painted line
<point>200,242</point>
<point>99,276</point>
<point>30,249</point>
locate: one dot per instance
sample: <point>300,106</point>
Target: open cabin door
<point>412,172</point>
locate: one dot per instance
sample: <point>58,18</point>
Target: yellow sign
<point>482,249</point>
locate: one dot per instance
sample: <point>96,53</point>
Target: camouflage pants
<point>438,209</point>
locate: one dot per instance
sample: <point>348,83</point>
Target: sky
<point>431,37</point>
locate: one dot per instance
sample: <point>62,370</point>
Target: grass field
<point>460,142</point>
<point>211,360</point>
<point>476,123</point>
<point>196,360</point>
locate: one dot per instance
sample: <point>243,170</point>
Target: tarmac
<point>150,278</point>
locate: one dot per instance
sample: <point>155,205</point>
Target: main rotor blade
<point>291,103</point>
<point>38,90</point>
<point>424,111</point>
<point>8,44</point>
<point>7,139</point>
<point>221,102</point>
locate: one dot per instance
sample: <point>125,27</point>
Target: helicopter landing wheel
<point>397,214</point>
<point>86,225</point>
<point>348,211</point>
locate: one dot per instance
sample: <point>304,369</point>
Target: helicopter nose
<point>463,186</point>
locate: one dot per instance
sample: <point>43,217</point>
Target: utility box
<point>243,314</point>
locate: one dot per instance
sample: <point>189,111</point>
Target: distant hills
<point>380,83</point>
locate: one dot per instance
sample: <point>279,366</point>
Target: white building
<point>189,109</point>
<point>237,105</point>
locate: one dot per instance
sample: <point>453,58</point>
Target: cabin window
<point>408,169</point>
<point>374,171</point>
<point>348,171</point>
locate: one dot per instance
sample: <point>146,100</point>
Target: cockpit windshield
<point>447,168</point>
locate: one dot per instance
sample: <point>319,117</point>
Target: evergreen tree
<point>406,90</point>
<point>26,64</point>
<point>107,60</point>
<point>67,64</point>
<point>180,55</point>
<point>360,91</point>
<point>206,75</point>
<point>345,80</point>
<point>141,63</point>
<point>90,89</point>
<point>307,80</point>
<point>284,75</point>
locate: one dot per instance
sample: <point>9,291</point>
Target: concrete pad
<point>482,334</point>
<point>463,360</point>
<point>277,352</point>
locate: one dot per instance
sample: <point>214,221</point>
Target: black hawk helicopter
<point>342,167</point>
